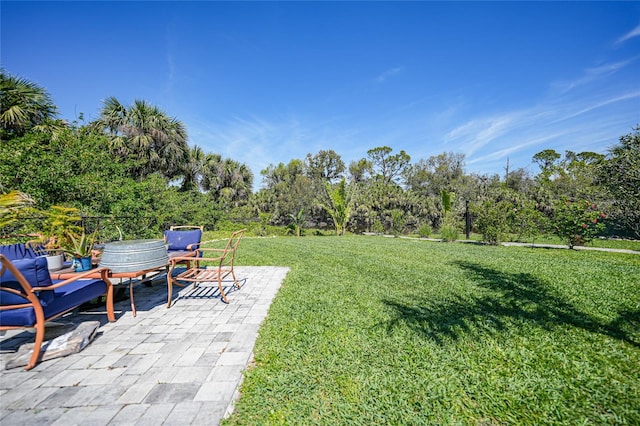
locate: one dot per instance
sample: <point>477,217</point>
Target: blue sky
<point>267,82</point>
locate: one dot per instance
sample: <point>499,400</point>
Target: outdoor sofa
<point>29,297</point>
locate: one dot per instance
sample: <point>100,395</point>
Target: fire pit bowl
<point>134,255</point>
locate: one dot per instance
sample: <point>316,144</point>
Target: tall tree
<point>23,106</point>
<point>147,134</point>
<point>360,171</point>
<point>193,169</point>
<point>548,161</point>
<point>225,179</point>
<point>236,179</point>
<point>388,167</point>
<point>620,175</point>
<point>438,173</point>
<point>326,165</point>
<point>287,188</point>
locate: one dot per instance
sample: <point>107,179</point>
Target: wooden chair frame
<point>198,274</point>
<point>30,293</point>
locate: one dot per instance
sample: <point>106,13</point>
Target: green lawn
<point>373,330</point>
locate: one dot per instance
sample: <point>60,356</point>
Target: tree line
<point>134,166</point>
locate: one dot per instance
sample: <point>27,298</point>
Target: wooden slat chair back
<point>223,263</point>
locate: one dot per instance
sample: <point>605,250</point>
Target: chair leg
<point>169,289</point>
<point>224,296</point>
<point>37,347</point>
<point>109,302</point>
<point>235,280</point>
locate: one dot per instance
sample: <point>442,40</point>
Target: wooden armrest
<point>196,259</point>
<point>13,307</point>
<point>103,276</point>
<point>13,291</point>
<point>219,250</point>
<point>180,259</point>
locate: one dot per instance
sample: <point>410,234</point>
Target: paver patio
<point>181,365</point>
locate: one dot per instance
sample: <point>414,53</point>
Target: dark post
<point>467,219</point>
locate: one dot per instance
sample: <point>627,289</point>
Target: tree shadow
<point>505,299</point>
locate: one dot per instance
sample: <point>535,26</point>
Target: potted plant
<point>80,247</point>
<point>58,222</point>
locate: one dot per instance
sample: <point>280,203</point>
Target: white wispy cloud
<point>558,123</point>
<point>600,103</point>
<point>592,74</point>
<point>258,141</point>
<point>477,133</point>
<point>631,34</point>
<point>381,78</point>
<point>505,152</point>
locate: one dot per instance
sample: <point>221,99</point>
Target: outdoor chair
<point>29,297</point>
<point>223,260</point>
<point>183,241</point>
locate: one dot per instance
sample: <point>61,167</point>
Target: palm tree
<point>237,180</point>
<point>211,181</point>
<point>10,203</point>
<point>24,106</point>
<point>157,142</point>
<point>243,182</point>
<point>338,204</point>
<point>193,169</point>
<point>226,179</point>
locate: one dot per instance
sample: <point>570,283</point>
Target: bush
<point>450,229</point>
<point>398,222</point>
<point>377,227</point>
<point>425,230</point>
<point>449,233</point>
<point>576,222</point>
<point>493,220</point>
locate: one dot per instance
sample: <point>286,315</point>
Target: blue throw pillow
<point>17,251</point>
<point>35,272</point>
<point>179,240</point>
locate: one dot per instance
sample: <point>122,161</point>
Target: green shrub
<point>377,227</point>
<point>425,230</point>
<point>493,220</point>
<point>576,222</point>
<point>449,233</point>
<point>450,229</point>
<point>398,221</point>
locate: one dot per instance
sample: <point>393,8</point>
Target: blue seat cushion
<point>34,271</point>
<point>63,299</point>
<point>18,251</point>
<point>179,240</point>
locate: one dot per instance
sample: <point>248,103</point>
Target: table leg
<point>133,303</point>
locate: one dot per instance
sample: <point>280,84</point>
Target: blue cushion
<point>74,294</point>
<point>35,272</point>
<point>18,251</point>
<point>179,240</point>
<point>23,317</point>
<point>62,299</point>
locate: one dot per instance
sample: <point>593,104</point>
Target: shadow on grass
<point>510,299</point>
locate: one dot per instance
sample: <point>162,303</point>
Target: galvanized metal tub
<point>134,255</point>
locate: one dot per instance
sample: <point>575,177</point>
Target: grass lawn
<point>374,330</point>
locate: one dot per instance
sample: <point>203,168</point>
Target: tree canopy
<point>23,106</point>
<point>145,133</point>
<point>134,162</point>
